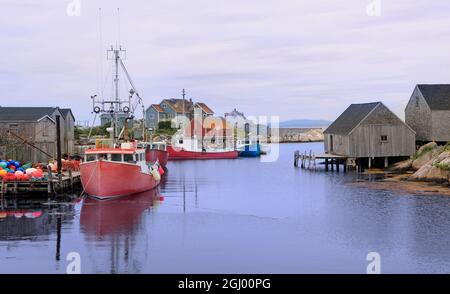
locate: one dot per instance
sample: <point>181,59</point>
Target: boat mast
<point>113,107</point>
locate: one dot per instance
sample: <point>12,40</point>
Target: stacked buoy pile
<point>13,171</point>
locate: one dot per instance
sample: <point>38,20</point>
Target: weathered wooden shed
<point>36,125</point>
<point>428,113</point>
<point>371,134</point>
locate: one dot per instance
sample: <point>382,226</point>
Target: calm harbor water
<point>235,216</point>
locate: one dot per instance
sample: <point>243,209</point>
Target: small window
<point>417,101</point>
<point>116,157</point>
<point>91,157</point>
<point>384,138</point>
<point>128,158</point>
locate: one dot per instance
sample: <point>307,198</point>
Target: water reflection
<point>116,225</point>
<point>32,220</point>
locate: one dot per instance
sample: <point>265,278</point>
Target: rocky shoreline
<point>431,163</point>
<point>297,135</point>
<point>426,174</point>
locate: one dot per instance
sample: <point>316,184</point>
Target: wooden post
<point>345,165</point>
<point>370,162</point>
<point>296,158</point>
<point>58,147</point>
<point>50,180</point>
<point>3,184</point>
<point>332,164</point>
<point>326,164</point>
<point>71,180</point>
<point>386,162</point>
<point>337,165</point>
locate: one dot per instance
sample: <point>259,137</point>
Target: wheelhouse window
<point>128,158</point>
<point>116,157</point>
<point>91,157</point>
<point>384,138</point>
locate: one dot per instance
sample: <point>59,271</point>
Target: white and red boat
<point>156,151</point>
<point>188,149</point>
<point>118,171</point>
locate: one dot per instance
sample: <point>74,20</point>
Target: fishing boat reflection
<point>115,231</point>
<point>116,216</point>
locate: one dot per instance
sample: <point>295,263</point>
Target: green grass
<point>442,166</point>
<point>423,152</point>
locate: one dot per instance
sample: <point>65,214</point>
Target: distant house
<point>170,109</point>
<point>36,125</point>
<point>428,113</point>
<point>370,133</point>
<point>237,119</point>
<point>205,110</point>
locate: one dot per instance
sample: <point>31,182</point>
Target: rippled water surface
<point>234,216</point>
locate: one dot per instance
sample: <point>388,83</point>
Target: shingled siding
<point>418,116</point>
<point>441,126</point>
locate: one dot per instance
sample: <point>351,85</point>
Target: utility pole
<point>184,98</point>
<point>58,146</point>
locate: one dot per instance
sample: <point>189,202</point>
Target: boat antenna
<point>184,96</point>
<point>100,53</point>
<point>118,27</point>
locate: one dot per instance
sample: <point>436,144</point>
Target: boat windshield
<point>129,158</point>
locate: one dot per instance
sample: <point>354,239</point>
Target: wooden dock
<point>309,160</point>
<point>52,184</point>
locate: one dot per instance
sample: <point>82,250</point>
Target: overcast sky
<point>292,58</point>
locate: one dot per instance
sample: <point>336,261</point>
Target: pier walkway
<point>330,160</point>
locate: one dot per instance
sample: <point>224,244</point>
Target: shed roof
<point>25,113</point>
<point>66,111</point>
<point>350,118</point>
<point>436,96</point>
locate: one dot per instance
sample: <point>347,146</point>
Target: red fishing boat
<point>180,154</point>
<point>113,172</point>
<point>118,166</point>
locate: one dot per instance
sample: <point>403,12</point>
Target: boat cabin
<point>127,152</point>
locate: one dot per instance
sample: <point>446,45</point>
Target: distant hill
<point>304,123</point>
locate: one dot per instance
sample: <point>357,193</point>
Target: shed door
<point>331,143</point>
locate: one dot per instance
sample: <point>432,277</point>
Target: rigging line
<point>100,76</point>
<point>139,101</point>
<point>93,123</point>
<point>105,79</point>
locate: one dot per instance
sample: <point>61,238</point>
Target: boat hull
<point>251,151</point>
<point>152,155</point>
<point>106,179</point>
<point>186,155</point>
